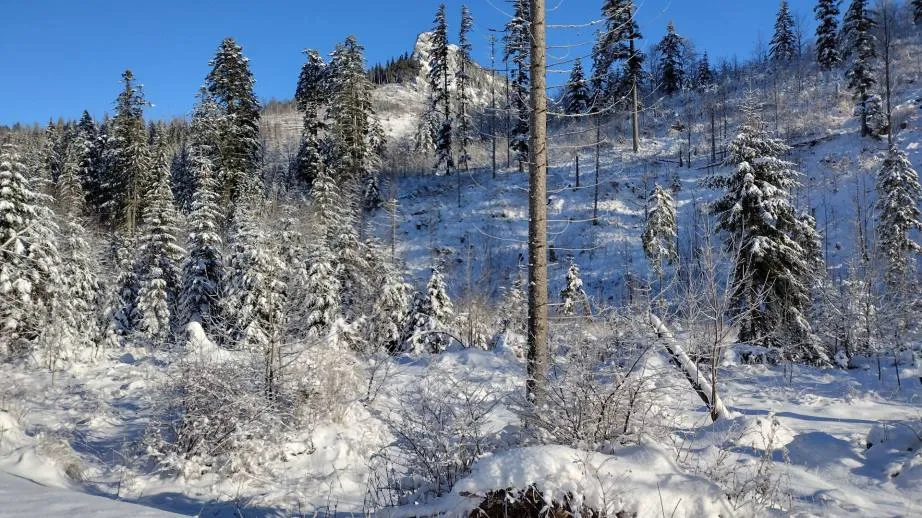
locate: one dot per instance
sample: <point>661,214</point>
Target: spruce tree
<point>573,293</point>
<point>203,270</point>
<point>231,83</point>
<point>704,76</point>
<point>861,49</point>
<point>439,94</point>
<point>464,122</point>
<point>783,46</point>
<point>672,50</point>
<point>576,96</point>
<point>772,274</point>
<point>323,292</point>
<point>660,230</point>
<point>29,260</point>
<point>158,258</point>
<point>897,215</point>
<point>356,132</point>
<point>87,148</point>
<point>128,160</point>
<point>430,316</point>
<point>827,34</point>
<point>79,301</point>
<point>517,51</point>
<point>311,98</point>
<point>68,191</point>
<point>615,44</point>
<point>52,152</point>
<point>390,310</point>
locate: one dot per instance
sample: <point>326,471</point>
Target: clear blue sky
<point>58,57</point>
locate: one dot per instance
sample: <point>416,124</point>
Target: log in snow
<point>703,387</point>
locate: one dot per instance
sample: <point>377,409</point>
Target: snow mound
<point>640,479</point>
<point>763,433</point>
<point>895,448</point>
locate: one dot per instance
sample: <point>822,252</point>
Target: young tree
<point>827,34</point>
<point>158,258</point>
<point>672,55</point>
<point>573,293</point>
<point>576,99</point>
<point>783,46</point>
<point>897,215</point>
<point>465,124</point>
<point>660,230</point>
<point>430,317</point>
<point>861,49</point>
<point>390,311</point>
<point>29,260</point>
<point>238,151</point>
<point>772,276</point>
<point>517,45</point>
<point>203,271</point>
<point>323,290</point>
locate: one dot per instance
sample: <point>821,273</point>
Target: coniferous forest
<point>633,281</point>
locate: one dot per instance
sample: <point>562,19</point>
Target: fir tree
<point>783,46</point>
<point>465,123</point>
<point>158,258</point>
<point>203,270</point>
<point>672,50</point>
<point>69,194</point>
<point>323,291</point>
<point>430,317</point>
<point>52,152</point>
<point>29,260</point>
<point>576,97</point>
<point>311,99</point>
<point>128,158</point>
<point>897,215</point>
<point>615,44</point>
<point>660,229</point>
<point>230,82</point>
<point>827,34</point>
<point>861,49</point>
<point>78,305</point>
<point>87,148</point>
<point>517,51</point>
<point>573,293</point>
<point>121,307</point>
<point>182,178</point>
<point>439,94</point>
<point>772,275</point>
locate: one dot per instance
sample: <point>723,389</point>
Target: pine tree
<point>772,274</point>
<point>576,98</point>
<point>672,50</point>
<point>311,99</point>
<point>128,160</point>
<point>517,51</point>
<point>158,258</point>
<point>704,76</point>
<point>29,260</point>
<point>203,270</point>
<point>861,49</point>
<point>897,215</point>
<point>439,94</point>
<point>827,34</point>
<point>465,123</point>
<point>390,311</point>
<point>783,46</point>
<point>230,82</point>
<point>430,317</point>
<point>573,293</point>
<point>660,230</point>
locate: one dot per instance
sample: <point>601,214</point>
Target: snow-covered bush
<point>440,430</point>
<point>601,392</point>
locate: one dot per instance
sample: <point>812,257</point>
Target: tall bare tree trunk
<point>538,352</point>
<point>635,123</point>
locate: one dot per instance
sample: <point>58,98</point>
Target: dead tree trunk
<point>538,353</point>
<point>699,382</point>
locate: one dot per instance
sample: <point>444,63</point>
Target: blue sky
<point>58,57</point>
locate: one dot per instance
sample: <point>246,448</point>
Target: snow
<point>640,479</point>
